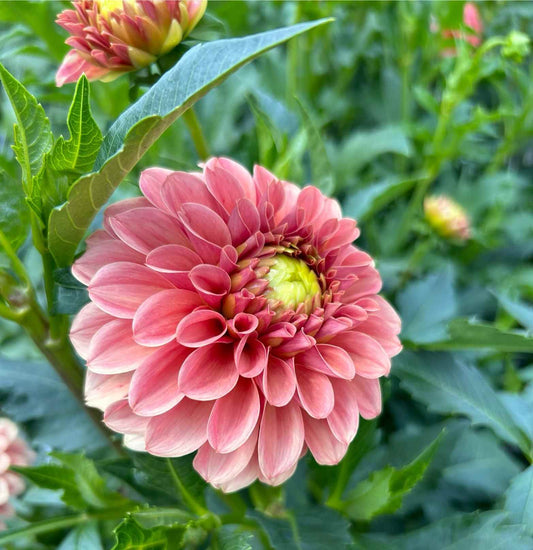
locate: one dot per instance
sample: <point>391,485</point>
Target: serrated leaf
<point>425,307</point>
<point>519,500</point>
<point>383,491</point>
<point>449,386</point>
<point>129,535</point>
<point>230,537</point>
<point>200,69</point>
<point>33,137</point>
<point>469,334</point>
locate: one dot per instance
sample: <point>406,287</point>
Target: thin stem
<point>45,526</point>
<point>18,266</point>
<point>187,497</point>
<point>198,138</point>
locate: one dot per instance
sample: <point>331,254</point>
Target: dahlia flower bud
<point>13,452</point>
<point>231,315</point>
<point>447,218</point>
<point>111,37</point>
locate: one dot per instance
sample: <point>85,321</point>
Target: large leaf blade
<point>199,70</point>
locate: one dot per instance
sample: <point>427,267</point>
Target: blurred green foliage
<point>378,109</point>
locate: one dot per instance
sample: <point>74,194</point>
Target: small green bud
<point>516,46</point>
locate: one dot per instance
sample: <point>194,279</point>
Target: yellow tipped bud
<point>447,218</point>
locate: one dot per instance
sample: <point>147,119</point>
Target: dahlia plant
<point>231,315</point>
<point>111,37</point>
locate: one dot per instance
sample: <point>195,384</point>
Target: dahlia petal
<point>144,229</point>
<point>368,394</point>
<point>388,314</point>
<point>102,390</point>
<point>120,288</point>
<point>241,175</point>
<point>328,359</point>
<point>280,478</point>
<point>369,358</point>
<point>151,182</point>
<point>315,392</point>
<point>222,185</point>
<point>250,357</point>
<point>113,349</point>
<point>211,282</point>
<point>382,333</point>
<point>102,249</point>
<point>172,258</point>
<point>206,230</point>
<point>279,381</point>
<point>244,221</point>
<point>122,206</point>
<point>135,442</point>
<point>156,320</point>
<point>324,446</point>
<point>154,385</point>
<point>281,438</point>
<point>73,66</point>
<point>182,187</point>
<point>208,372</point>
<point>120,418</point>
<point>298,344</point>
<point>234,417</point>
<point>87,322</point>
<point>243,479</point>
<point>217,468</point>
<point>200,328</point>
<point>179,431</point>
<point>344,418</point>
<point>368,282</point>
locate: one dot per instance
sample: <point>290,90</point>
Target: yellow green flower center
<point>107,6</point>
<point>291,282</point>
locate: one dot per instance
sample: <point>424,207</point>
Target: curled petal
<point>200,328</point>
<point>211,282</point>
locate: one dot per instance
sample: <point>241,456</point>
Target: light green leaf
<point>519,500</point>
<point>33,137</point>
<point>467,334</point>
<point>425,306</point>
<point>129,535</point>
<point>200,69</point>
<point>83,537</point>
<point>383,491</point>
<point>521,311</point>
<point>448,386</point>
<point>14,213</point>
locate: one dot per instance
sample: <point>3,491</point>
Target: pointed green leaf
<point>33,137</point>
<point>383,491</point>
<point>448,386</point>
<point>199,70</point>
<point>83,537</point>
<point>519,500</point>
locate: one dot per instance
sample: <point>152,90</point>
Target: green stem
<point>198,138</point>
<point>18,266</point>
<point>189,500</point>
<point>45,526</point>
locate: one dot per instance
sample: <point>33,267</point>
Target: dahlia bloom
<point>472,20</point>
<point>447,218</point>
<point>111,37</point>
<point>13,452</point>
<point>231,315</point>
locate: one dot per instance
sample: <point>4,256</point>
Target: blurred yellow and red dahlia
<point>447,218</point>
<point>111,37</point>
<point>13,452</point>
<point>231,315</point>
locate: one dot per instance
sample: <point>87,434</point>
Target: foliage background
<point>368,109</point>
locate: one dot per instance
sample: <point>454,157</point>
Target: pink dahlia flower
<point>231,315</point>
<point>472,20</point>
<point>111,37</point>
<point>13,452</point>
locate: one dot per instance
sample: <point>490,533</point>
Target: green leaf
<point>33,137</point>
<point>521,311</point>
<point>485,531</point>
<point>382,492</point>
<point>14,214</point>
<point>82,486</point>
<point>366,201</point>
<point>231,538</point>
<point>519,500</point>
<point>364,146</point>
<point>68,159</point>
<point>425,306</point>
<point>69,294</point>
<point>448,386</point>
<point>83,537</point>
<point>468,334</point>
<point>129,535</point>
<point>321,169</point>
<point>200,69</point>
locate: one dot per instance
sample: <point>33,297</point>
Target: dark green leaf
<point>33,138</point>
<point>14,213</point>
<point>383,491</point>
<point>69,294</point>
<point>129,535</point>
<point>200,69</point>
<point>425,306</point>
<point>448,386</point>
<point>231,538</point>
<point>519,500</point>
